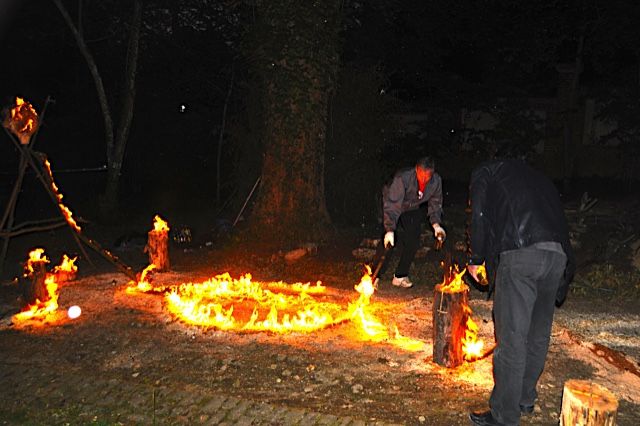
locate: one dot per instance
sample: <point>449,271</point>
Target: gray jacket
<point>402,195</point>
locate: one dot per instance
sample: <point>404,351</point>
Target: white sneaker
<point>401,282</point>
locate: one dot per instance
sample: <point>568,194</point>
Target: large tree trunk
<point>570,104</point>
<point>126,113</point>
<point>297,52</point>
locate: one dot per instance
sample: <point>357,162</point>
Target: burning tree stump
<point>35,287</point>
<point>158,245</point>
<point>587,404</point>
<point>450,316</point>
<point>158,249</point>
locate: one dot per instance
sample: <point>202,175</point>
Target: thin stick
<point>255,185</point>
<point>9,234</point>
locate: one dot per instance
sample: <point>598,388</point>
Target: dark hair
<point>426,163</point>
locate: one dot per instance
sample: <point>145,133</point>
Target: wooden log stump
<point>449,324</point>
<point>158,249</point>
<point>587,404</point>
<point>35,287</point>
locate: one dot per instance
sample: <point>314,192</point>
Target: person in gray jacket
<point>412,191</point>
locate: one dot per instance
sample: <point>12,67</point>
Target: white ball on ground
<point>74,311</point>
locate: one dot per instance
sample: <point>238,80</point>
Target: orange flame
<point>66,270</point>
<point>35,256</point>
<point>455,285</point>
<point>244,305</point>
<point>471,346</point>
<point>160,225</point>
<point>64,209</point>
<point>23,120</point>
<point>42,309</point>
<point>66,265</point>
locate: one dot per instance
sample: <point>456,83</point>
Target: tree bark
<point>35,288</point>
<point>97,78</point>
<point>297,63</point>
<point>158,249</point>
<point>126,113</point>
<point>115,139</point>
<point>449,324</point>
<point>570,107</point>
<point>587,404</point>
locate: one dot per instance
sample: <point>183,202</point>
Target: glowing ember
<point>160,225</point>
<point>64,209</point>
<point>23,121</point>
<point>74,312</point>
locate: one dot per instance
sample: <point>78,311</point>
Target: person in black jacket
<point>519,231</point>
<point>414,194</point>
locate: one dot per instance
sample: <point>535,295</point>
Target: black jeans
<point>526,284</point>
<point>407,240</point>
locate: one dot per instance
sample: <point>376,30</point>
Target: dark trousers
<point>407,239</point>
<point>524,302</point>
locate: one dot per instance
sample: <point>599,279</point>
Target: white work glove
<point>388,239</point>
<point>438,232</point>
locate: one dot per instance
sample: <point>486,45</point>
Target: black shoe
<point>526,409</point>
<point>483,418</point>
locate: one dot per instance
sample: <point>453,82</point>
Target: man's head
<point>424,170</point>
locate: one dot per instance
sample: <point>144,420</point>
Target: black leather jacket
<point>513,206</point>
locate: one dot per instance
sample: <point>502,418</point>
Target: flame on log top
<point>40,287</point>
<point>455,334</point>
<point>22,120</point>
<point>158,245</point>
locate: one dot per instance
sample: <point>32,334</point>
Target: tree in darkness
<point>295,52</point>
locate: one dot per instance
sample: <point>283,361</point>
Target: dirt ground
<point>127,360</point>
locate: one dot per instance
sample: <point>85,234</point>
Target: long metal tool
<point>379,264</point>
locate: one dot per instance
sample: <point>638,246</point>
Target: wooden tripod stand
<point>39,164</point>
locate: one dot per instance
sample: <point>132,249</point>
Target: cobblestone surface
<point>80,402</point>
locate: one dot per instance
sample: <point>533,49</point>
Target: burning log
<point>41,292</point>
<point>450,315</point>
<point>35,287</point>
<point>158,245</point>
<point>67,270</point>
<point>455,334</point>
<point>588,404</point>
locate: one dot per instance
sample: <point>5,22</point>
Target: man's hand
<point>388,239</point>
<point>439,233</point>
<point>473,270</point>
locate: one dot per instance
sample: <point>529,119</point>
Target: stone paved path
<point>70,400</point>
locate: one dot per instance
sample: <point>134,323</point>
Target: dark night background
<point>322,101</point>
<point>412,76</point>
